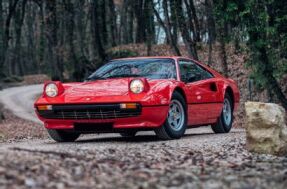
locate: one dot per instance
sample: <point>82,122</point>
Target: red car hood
<point>111,87</point>
<point>108,91</point>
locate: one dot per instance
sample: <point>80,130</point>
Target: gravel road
<point>200,159</point>
<point>20,100</point>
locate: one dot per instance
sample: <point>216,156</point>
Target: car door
<point>202,93</point>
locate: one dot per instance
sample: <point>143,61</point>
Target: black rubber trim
<point>207,103</point>
<point>155,105</point>
<point>88,106</point>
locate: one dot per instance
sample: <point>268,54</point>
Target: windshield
<point>149,68</point>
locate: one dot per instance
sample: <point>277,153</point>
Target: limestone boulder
<point>266,130</point>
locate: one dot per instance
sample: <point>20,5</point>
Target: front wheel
<point>63,136</point>
<point>224,122</point>
<point>175,124</point>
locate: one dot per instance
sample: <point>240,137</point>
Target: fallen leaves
<point>15,129</point>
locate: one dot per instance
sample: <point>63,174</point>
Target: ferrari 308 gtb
<point>163,94</point>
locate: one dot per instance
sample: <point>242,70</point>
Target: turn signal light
<point>45,107</point>
<point>128,106</point>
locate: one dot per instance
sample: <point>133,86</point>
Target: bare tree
<point>1,40</point>
<point>6,32</point>
<point>210,27</point>
<point>96,38</point>
<point>52,39</point>
<point>168,28</point>
<point>17,66</point>
<point>188,41</point>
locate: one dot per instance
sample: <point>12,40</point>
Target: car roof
<point>151,57</point>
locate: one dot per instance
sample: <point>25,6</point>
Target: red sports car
<point>164,94</point>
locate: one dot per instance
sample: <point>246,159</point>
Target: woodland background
<point>245,40</point>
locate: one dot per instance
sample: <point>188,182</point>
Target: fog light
<point>45,107</point>
<point>128,106</point>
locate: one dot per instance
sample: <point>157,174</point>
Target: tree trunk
<point>223,54</point>
<point>130,25</point>
<point>101,11</point>
<point>173,18</point>
<point>223,33</point>
<point>6,34</point>
<point>96,32</point>
<point>169,30</point>
<point>31,12</point>
<point>1,114</point>
<point>196,22</point>
<point>272,84</point>
<point>161,23</point>
<point>140,21</point>
<point>210,28</point>
<point>190,20</point>
<point>17,63</point>
<point>149,23</point>
<point>42,42</point>
<point>209,53</point>
<point>123,28</point>
<point>52,40</point>
<point>1,41</point>
<point>189,43</point>
<point>112,22</point>
<point>70,25</point>
<point>82,44</point>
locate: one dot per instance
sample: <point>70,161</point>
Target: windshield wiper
<point>123,75</point>
<point>95,78</point>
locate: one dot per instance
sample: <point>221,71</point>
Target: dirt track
<point>19,100</point>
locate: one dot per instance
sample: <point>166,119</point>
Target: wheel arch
<point>229,91</point>
<point>180,91</point>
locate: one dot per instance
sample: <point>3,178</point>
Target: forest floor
<point>201,159</point>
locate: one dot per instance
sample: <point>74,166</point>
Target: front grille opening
<point>79,112</point>
<point>93,127</point>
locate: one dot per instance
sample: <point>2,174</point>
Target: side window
<point>191,72</point>
<point>204,73</point>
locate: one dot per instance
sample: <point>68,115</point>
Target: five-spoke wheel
<point>176,115</point>
<point>175,125</point>
<point>224,122</point>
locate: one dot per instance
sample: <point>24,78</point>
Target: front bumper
<point>149,117</point>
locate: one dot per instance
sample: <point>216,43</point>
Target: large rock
<point>266,128</point>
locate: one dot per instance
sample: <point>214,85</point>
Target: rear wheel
<point>224,122</point>
<point>175,124</point>
<point>128,134</point>
<point>63,136</point>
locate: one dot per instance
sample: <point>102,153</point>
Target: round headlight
<point>51,90</point>
<point>137,86</point>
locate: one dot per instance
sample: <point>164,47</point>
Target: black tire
<point>221,126</point>
<point>128,134</point>
<point>63,136</point>
<point>166,131</point>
